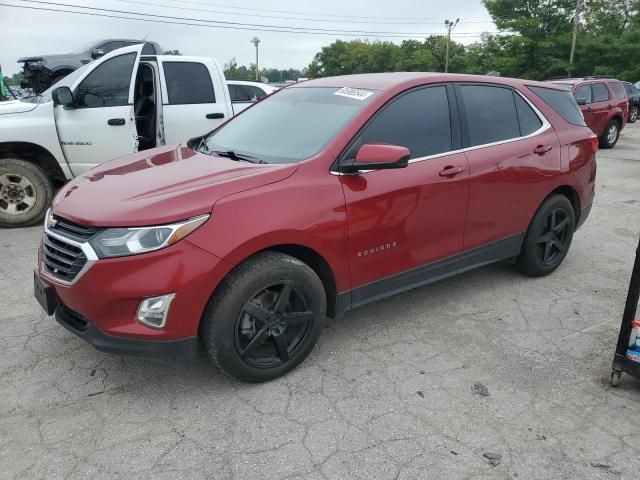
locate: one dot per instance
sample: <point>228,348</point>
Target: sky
<point>35,32</point>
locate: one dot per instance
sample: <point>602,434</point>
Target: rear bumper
<point>169,351</point>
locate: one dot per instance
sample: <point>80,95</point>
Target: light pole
<point>450,25</point>
<point>256,42</point>
<point>576,18</point>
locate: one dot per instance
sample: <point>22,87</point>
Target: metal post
<point>450,25</point>
<point>256,41</point>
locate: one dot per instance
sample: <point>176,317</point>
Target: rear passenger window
<point>600,92</point>
<point>491,114</point>
<point>584,91</point>
<point>562,102</point>
<point>529,120</point>
<point>188,83</point>
<point>418,120</point>
<point>618,90</point>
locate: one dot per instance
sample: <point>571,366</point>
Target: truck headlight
<point>120,242</point>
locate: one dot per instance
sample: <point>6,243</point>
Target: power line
<point>219,24</point>
<point>280,17</point>
<point>317,14</point>
<point>257,26</point>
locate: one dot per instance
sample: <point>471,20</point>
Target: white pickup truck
<point>122,103</point>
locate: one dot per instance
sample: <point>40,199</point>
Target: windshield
<point>85,48</point>
<point>65,82</point>
<point>291,125</point>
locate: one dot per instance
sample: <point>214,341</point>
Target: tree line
<point>533,41</point>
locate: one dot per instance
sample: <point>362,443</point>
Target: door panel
<point>195,99</point>
<point>402,219</point>
<point>101,127</point>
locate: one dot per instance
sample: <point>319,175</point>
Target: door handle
<point>451,171</point>
<point>214,115</point>
<point>116,122</point>
<point>542,149</point>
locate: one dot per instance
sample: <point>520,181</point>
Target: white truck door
<point>194,95</point>
<point>101,125</point>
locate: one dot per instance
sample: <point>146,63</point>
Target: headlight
<point>120,242</point>
<point>36,63</point>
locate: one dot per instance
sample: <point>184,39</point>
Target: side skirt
<point>484,255</point>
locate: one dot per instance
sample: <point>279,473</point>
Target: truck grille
<point>61,259</point>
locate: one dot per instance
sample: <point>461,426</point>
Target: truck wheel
<point>265,317</point>
<point>548,238</point>
<point>633,113</point>
<point>610,135</point>
<point>25,193</point>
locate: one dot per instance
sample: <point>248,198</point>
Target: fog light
<point>153,311</point>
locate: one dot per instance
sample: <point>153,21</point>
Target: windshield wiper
<point>202,146</point>
<point>236,156</point>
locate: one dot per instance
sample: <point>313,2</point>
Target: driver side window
<point>107,85</point>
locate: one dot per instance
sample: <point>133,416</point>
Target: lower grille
<point>72,319</point>
<point>61,259</point>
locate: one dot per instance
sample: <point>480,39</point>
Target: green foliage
<point>534,42</point>
<point>232,71</point>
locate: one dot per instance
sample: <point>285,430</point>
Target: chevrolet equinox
<point>323,197</point>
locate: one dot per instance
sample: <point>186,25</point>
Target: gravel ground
<point>487,375</point>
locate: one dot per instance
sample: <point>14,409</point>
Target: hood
<point>16,106</point>
<point>159,186</point>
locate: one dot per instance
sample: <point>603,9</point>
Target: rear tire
<point>264,318</point>
<point>548,238</point>
<point>25,193</point>
<point>610,136</point>
<point>633,113</point>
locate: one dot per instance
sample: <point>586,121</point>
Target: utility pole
<point>256,42</point>
<point>450,25</point>
<point>576,21</point>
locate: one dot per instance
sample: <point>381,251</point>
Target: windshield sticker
<point>355,93</point>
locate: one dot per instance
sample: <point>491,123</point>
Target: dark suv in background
<point>604,105</point>
<point>40,72</point>
<point>634,101</point>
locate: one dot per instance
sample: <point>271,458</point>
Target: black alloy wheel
<point>272,326</point>
<point>552,242</point>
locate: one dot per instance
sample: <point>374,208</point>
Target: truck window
<point>110,46</point>
<point>583,91</point>
<point>188,83</point>
<point>108,84</point>
<point>618,90</point>
<point>238,94</point>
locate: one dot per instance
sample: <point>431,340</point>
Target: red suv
<point>604,104</point>
<point>323,197</point>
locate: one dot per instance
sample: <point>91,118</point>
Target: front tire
<point>610,136</point>
<point>548,238</point>
<point>25,193</point>
<point>265,317</point>
<point>633,113</point>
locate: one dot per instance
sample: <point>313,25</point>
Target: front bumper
<point>170,351</point>
<point>101,305</point>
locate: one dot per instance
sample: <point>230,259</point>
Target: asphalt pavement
<point>487,375</point>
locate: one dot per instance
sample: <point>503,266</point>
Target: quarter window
<point>107,85</point>
<point>584,91</point>
<point>562,102</point>
<point>600,92</point>
<point>418,120</point>
<point>491,114</point>
<point>528,119</point>
<point>188,83</point>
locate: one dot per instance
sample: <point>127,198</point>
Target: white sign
<point>355,93</point>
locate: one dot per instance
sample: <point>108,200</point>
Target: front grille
<point>72,319</point>
<point>61,259</point>
<point>79,233</point>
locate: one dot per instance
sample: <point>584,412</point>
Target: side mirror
<point>378,156</point>
<point>581,101</point>
<point>62,96</point>
<point>97,53</point>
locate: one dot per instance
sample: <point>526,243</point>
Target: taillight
<point>594,143</point>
